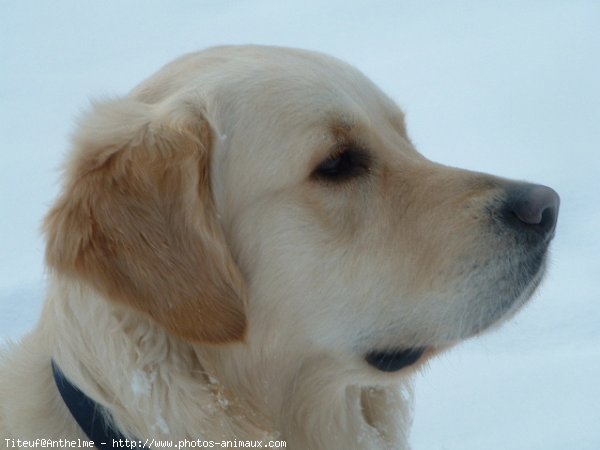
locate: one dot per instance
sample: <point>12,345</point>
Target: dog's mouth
<point>394,359</point>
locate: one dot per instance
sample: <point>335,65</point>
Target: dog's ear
<point>136,219</point>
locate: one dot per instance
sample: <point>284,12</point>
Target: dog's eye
<point>343,165</point>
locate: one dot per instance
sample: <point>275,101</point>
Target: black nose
<point>532,208</point>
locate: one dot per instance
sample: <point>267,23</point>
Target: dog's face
<point>348,235</point>
<point>287,178</point>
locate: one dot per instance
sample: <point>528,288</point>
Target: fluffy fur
<point>206,280</point>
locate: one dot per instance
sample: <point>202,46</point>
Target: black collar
<point>90,416</point>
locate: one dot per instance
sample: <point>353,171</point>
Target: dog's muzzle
<point>525,216</point>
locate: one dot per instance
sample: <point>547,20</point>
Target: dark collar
<point>91,417</point>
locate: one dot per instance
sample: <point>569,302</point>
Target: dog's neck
<point>176,390</point>
<point>151,383</point>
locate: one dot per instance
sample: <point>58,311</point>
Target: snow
<point>507,87</point>
<point>141,383</point>
<point>161,425</point>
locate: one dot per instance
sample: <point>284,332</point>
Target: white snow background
<point>510,88</point>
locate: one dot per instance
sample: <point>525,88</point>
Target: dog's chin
<point>393,360</point>
<point>513,301</point>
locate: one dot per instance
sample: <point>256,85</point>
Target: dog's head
<point>287,178</point>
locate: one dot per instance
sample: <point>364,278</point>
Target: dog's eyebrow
<point>343,130</point>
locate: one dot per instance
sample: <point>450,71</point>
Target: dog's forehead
<point>289,94</point>
<point>269,80</point>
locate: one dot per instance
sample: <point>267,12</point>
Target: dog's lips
<point>394,360</point>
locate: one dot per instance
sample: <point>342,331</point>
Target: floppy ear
<point>136,219</point>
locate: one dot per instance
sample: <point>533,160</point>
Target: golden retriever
<point>248,247</point>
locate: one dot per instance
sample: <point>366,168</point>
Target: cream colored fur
<point>259,330</point>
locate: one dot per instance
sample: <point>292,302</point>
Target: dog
<point>248,248</point>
